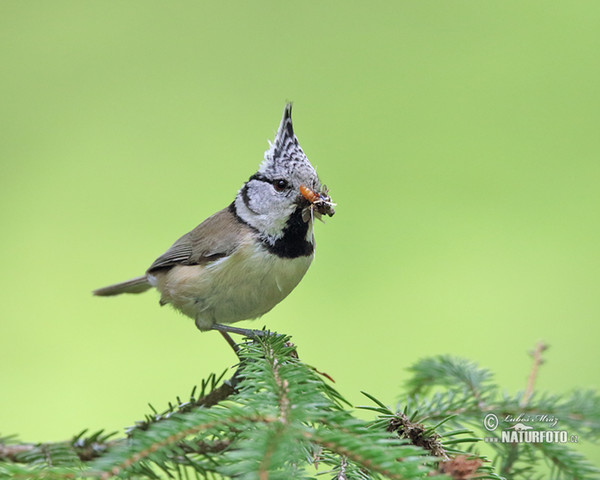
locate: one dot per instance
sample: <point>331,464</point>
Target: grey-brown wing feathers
<point>179,253</point>
<point>218,236</point>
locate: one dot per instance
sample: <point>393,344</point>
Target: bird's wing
<point>217,237</point>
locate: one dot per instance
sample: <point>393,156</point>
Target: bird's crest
<point>285,147</point>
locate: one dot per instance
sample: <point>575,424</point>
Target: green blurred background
<point>459,139</point>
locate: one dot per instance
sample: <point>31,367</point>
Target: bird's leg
<point>224,331</point>
<point>231,343</point>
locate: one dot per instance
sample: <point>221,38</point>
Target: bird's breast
<point>244,285</point>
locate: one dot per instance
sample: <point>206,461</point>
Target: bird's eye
<point>280,185</point>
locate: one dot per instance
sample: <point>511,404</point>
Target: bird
<point>246,258</point>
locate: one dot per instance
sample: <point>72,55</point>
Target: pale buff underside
<point>244,285</point>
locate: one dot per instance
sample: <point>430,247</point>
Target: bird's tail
<point>135,285</point>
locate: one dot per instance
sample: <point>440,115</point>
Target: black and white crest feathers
<point>285,132</point>
<point>284,153</point>
<point>271,201</point>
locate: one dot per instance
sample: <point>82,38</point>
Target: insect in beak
<point>319,203</point>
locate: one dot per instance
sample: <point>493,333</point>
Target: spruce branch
<point>278,418</point>
<point>444,386</point>
<point>266,423</point>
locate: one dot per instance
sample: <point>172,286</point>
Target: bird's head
<point>285,185</point>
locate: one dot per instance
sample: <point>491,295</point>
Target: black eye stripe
<point>278,183</point>
<point>260,178</point>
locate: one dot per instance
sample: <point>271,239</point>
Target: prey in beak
<point>319,203</point>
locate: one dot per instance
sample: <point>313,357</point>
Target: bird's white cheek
<point>271,222</point>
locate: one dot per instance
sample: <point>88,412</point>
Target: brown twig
<point>11,452</point>
<point>537,361</point>
<point>417,434</point>
<point>513,452</point>
<point>213,397</point>
<point>462,467</point>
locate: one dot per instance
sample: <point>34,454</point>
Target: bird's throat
<point>295,240</point>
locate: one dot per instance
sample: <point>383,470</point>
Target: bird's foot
<point>225,330</point>
<point>247,332</point>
